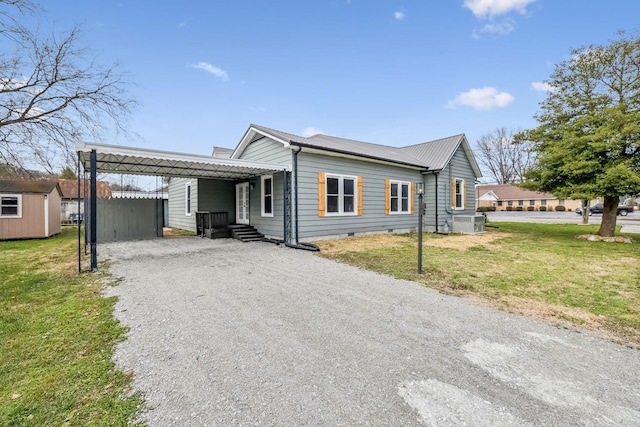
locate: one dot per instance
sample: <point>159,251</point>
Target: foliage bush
<point>486,209</point>
<point>519,208</point>
<point>530,208</point>
<point>543,208</point>
<point>509,208</point>
<point>560,208</point>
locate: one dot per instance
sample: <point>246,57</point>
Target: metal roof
<point>437,154</point>
<point>337,145</point>
<point>36,187</point>
<point>140,161</point>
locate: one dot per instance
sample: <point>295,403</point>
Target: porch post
<point>93,207</point>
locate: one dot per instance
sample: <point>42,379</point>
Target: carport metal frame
<point>118,159</point>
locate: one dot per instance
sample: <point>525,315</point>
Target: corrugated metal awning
<point>139,161</point>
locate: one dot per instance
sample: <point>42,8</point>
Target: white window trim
<point>464,188</point>
<point>19,197</point>
<point>341,179</point>
<point>400,211</point>
<point>188,199</point>
<point>262,196</point>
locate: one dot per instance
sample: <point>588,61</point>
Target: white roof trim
<point>141,161</point>
<point>248,137</point>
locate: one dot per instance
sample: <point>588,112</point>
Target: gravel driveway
<point>224,333</point>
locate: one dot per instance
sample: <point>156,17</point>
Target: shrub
<point>509,208</point>
<point>543,208</point>
<point>486,209</point>
<point>560,208</point>
<point>530,208</point>
<point>519,208</point>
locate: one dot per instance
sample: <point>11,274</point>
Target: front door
<point>242,203</point>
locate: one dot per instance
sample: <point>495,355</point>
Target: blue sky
<point>388,72</point>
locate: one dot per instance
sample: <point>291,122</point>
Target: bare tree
<point>502,159</point>
<point>52,93</point>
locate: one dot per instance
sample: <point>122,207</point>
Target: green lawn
<point>541,270</point>
<point>58,335</point>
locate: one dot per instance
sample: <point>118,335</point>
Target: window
<point>561,202</point>
<point>11,205</point>
<point>510,203</point>
<point>458,196</point>
<point>266,198</point>
<point>543,202</point>
<point>187,199</point>
<point>399,197</point>
<point>520,202</point>
<point>532,202</point>
<point>499,202</point>
<point>339,195</point>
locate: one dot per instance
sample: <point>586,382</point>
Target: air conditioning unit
<point>468,224</point>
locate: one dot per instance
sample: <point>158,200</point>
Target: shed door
<point>242,203</point>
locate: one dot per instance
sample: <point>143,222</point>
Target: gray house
<point>332,187</point>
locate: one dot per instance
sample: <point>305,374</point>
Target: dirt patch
<point>564,317</point>
<point>463,241</point>
<point>363,243</point>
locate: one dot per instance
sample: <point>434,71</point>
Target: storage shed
<point>29,209</point>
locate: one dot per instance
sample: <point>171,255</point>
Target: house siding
<point>460,168</point>
<point>266,150</point>
<point>269,226</point>
<point>216,195</point>
<point>177,192</point>
<point>373,218</point>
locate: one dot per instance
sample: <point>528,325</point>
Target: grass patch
<point>58,336</point>
<point>540,270</point>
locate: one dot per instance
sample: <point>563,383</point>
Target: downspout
<point>436,179</point>
<point>298,244</point>
<point>295,189</point>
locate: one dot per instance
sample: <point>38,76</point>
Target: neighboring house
<point>29,209</point>
<point>331,187</point>
<point>508,197</point>
<point>69,204</point>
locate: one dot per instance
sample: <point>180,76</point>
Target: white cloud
<point>182,25</point>
<point>486,98</point>
<point>399,15</point>
<point>483,9</point>
<point>500,28</point>
<point>218,72</point>
<point>310,131</point>
<point>542,87</point>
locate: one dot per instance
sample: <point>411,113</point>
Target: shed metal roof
<point>36,187</point>
<point>140,161</point>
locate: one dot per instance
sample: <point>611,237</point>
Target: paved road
<point>630,223</point>
<point>224,333</point>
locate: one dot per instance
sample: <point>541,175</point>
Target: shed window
<point>267,195</point>
<point>11,206</point>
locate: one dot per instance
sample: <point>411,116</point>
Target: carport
<point>117,159</point>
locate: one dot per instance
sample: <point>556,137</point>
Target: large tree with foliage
<point>52,91</point>
<point>501,159</point>
<point>587,139</point>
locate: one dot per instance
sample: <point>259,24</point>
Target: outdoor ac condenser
<point>468,224</point>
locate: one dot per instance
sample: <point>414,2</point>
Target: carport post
<point>93,207</point>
